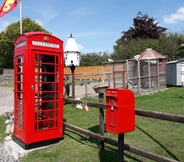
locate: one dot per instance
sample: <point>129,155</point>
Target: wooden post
<point>121,147</point>
<point>149,78</point>
<point>158,75</point>
<point>72,67</point>
<point>114,80</point>
<point>126,73</point>
<point>109,80</point>
<point>139,76</point>
<point>85,83</point>
<point>101,117</point>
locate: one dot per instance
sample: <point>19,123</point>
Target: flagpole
<point>20,16</point>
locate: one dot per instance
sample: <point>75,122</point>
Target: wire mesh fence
<point>142,76</point>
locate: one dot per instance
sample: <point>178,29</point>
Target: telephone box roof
<point>150,54</point>
<point>71,45</point>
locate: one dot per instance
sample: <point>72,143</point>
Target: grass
<point>157,136</point>
<point>8,85</point>
<point>2,128</point>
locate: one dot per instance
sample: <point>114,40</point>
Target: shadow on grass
<point>170,153</point>
<point>108,154</point>
<point>81,139</point>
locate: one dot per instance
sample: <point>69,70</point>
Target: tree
<point>144,34</point>
<point>144,27</point>
<point>94,59</point>
<point>8,37</point>
<point>169,44</point>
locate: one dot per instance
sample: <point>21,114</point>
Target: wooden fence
<point>132,149</point>
<point>91,72</point>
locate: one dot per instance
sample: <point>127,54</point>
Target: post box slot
<point>111,95</point>
<point>111,100</point>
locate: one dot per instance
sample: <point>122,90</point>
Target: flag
<point>8,6</point>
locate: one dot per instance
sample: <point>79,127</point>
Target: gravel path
<point>6,100</point>
<point>5,156</point>
<point>6,105</point>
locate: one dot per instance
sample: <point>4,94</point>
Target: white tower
<point>71,52</point>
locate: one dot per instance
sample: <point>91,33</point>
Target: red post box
<point>120,110</point>
<point>38,89</point>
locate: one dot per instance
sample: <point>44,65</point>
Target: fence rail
<point>139,112</point>
<point>144,113</point>
<point>127,147</point>
<point>6,79</point>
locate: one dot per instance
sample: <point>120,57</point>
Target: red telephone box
<point>120,110</point>
<point>38,89</point>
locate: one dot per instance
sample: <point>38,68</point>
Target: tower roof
<point>151,54</point>
<point>71,45</point>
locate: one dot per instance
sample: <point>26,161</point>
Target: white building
<point>71,53</point>
<point>175,73</point>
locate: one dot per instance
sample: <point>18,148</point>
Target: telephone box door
<point>45,91</point>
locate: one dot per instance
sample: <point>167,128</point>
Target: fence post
<point>101,117</point>
<point>85,83</point>
<point>121,147</point>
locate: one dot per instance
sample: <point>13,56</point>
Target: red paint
<point>120,110</point>
<point>38,87</point>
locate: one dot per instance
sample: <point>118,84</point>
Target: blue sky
<point>97,24</point>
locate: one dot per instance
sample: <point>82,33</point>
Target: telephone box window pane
<point>20,77</point>
<point>19,68</point>
<point>36,126</point>
<point>56,123</point>
<point>19,123</point>
<point>20,59</point>
<point>47,58</point>
<point>56,113</point>
<point>20,105</point>
<point>36,58</point>
<point>57,59</point>
<point>48,105</point>
<point>49,114</point>
<point>19,86</point>
<point>37,106</point>
<point>56,96</point>
<point>48,68</point>
<point>47,77</point>
<point>47,96</point>
<point>20,114</point>
<point>48,124</point>
<point>40,87</point>
<point>47,87</point>
<point>37,115</point>
<point>57,77</point>
<point>36,68</point>
<point>36,78</point>
<point>19,95</point>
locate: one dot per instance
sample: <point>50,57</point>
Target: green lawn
<point>157,136</point>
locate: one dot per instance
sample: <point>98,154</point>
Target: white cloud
<point>45,15</point>
<point>80,47</point>
<point>175,17</point>
<point>39,22</point>
<point>49,16</point>
<point>4,25</point>
<point>81,11</point>
<point>91,34</point>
